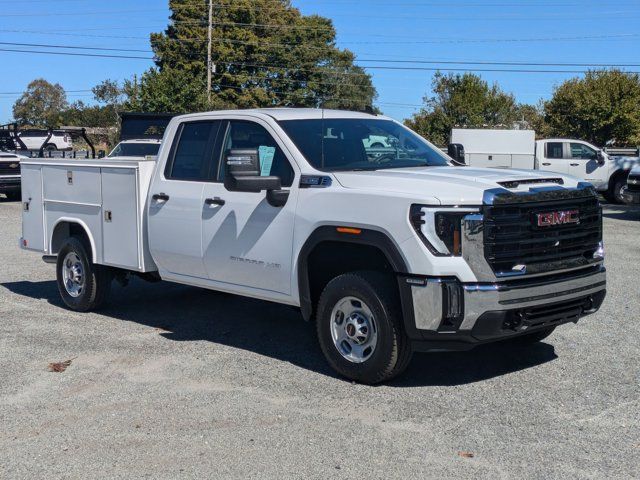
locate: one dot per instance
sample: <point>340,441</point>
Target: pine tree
<point>265,54</point>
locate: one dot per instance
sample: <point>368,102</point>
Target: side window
<point>578,150</point>
<point>193,152</point>
<point>554,150</point>
<point>273,162</point>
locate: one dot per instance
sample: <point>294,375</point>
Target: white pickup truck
<point>388,253</point>
<point>519,149</point>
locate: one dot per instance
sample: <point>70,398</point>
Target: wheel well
<point>328,259</point>
<point>616,176</point>
<point>64,230</point>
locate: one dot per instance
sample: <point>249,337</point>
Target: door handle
<point>214,201</point>
<point>160,197</point>
<point>574,164</point>
<point>546,164</point>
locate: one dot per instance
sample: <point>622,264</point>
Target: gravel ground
<point>176,382</point>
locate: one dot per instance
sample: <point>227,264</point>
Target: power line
<point>416,61</point>
<point>428,69</point>
<point>75,54</point>
<point>46,45</point>
<point>619,36</point>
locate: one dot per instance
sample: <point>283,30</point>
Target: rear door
<point>553,157</point>
<point>176,200</point>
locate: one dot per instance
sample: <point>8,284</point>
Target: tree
<point>465,101</point>
<point>532,117</point>
<point>41,105</point>
<point>602,106</point>
<point>265,54</point>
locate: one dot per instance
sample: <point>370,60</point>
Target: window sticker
<point>266,159</point>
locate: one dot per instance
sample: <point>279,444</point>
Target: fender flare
<point>82,224</point>
<point>620,172</point>
<point>326,233</point>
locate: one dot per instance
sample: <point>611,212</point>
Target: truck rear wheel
<point>83,285</point>
<point>359,327</point>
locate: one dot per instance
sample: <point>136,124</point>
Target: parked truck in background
<point>10,161</point>
<point>389,253</point>
<point>519,149</point>
<point>140,134</point>
<point>633,185</point>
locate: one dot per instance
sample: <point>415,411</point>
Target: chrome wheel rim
<point>354,329</point>
<point>73,275</point>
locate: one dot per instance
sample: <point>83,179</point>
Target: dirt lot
<point>171,381</point>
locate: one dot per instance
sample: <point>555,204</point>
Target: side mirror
<point>456,152</point>
<point>242,172</point>
<point>600,157</point>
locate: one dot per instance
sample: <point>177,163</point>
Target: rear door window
<point>554,150</point>
<point>193,152</point>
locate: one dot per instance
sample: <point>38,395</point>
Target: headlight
<point>439,229</point>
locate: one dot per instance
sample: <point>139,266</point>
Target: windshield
<point>360,144</point>
<point>135,149</point>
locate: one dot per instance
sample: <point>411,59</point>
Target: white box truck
<point>519,149</point>
<point>389,253</point>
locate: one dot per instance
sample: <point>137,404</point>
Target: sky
<point>402,42</point>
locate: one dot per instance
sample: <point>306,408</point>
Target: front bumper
<point>444,314</point>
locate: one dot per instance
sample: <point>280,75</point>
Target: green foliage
<point>602,106</point>
<point>304,67</point>
<point>41,105</point>
<point>463,101</point>
<point>532,117</point>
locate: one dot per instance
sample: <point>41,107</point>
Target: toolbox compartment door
<point>32,217</point>
<point>120,222</point>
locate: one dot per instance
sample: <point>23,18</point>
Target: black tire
<point>97,278</point>
<point>51,147</point>
<point>616,192</point>
<point>535,337</point>
<point>377,145</point>
<point>392,352</point>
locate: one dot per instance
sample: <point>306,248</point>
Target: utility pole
<point>209,51</point>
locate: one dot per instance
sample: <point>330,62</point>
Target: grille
<point>634,187</point>
<point>512,237</point>
<point>5,169</point>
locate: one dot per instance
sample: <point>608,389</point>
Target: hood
<point>625,163</point>
<point>451,185</point>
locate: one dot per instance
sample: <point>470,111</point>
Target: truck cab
<point>607,173</point>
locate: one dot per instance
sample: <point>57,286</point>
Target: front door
<point>553,158</point>
<point>583,163</point>
<point>246,241</point>
<point>176,203</point>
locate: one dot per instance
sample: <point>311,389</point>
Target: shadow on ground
<point>191,314</point>
<point>622,212</point>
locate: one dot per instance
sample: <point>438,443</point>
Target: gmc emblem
<point>563,217</point>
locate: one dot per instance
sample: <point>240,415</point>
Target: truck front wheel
<point>83,285</point>
<point>359,327</point>
<point>617,192</point>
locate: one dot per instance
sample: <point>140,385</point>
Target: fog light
<point>599,253</point>
<point>452,306</point>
